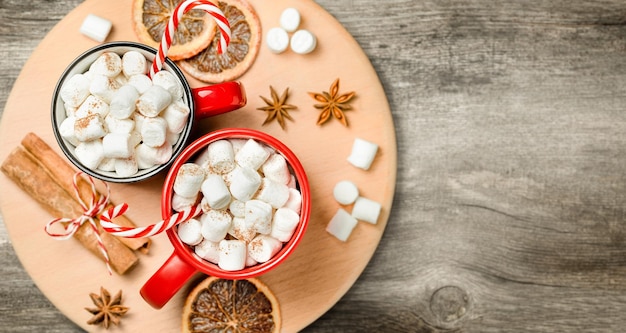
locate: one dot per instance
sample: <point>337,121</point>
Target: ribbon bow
<point>90,213</point>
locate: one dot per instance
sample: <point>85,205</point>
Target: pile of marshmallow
<point>249,199</point>
<point>301,42</point>
<point>120,120</point>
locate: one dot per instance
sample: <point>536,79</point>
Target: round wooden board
<point>321,270</point>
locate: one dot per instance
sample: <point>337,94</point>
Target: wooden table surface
<point>509,212</point>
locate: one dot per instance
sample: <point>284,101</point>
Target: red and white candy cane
<point>91,211</point>
<point>180,10</point>
<point>151,230</point>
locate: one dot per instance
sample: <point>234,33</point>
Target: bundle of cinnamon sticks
<point>49,179</point>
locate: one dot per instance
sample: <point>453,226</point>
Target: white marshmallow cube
<point>189,232</point>
<point>276,168</point>
<point>92,105</point>
<point>154,131</point>
<point>263,247</point>
<point>66,129</point>
<point>133,63</point>
<point>345,192</point>
<point>363,153</point>
<point>176,115</point>
<point>240,230</point>
<point>103,87</point>
<point>215,224</point>
<point>115,125</point>
<point>141,82</point>
<point>107,164</point>
<point>366,210</point>
<point>273,193</point>
<point>237,208</point>
<point>96,27</point>
<point>221,157</point>
<point>277,40</point>
<point>250,261</point>
<point>303,42</point>
<point>295,200</point>
<point>180,203</point>
<point>189,180</point>
<point>341,225</point>
<point>126,167</point>
<point>117,145</point>
<point>293,183</point>
<point>232,255</point>
<point>284,224</point>
<point>150,156</point>
<point>108,64</point>
<point>244,183</point>
<point>89,128</point>
<point>252,155</point>
<point>75,90</point>
<point>169,82</point>
<point>123,102</point>
<point>209,251</point>
<point>153,101</point>
<point>290,19</point>
<point>237,144</point>
<point>89,153</point>
<point>258,215</point>
<point>215,191</point>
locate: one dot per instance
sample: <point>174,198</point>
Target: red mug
<point>203,102</point>
<point>183,263</point>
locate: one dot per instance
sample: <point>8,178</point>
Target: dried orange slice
<point>194,33</point>
<point>245,26</point>
<point>220,305</point>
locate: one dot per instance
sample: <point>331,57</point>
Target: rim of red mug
<point>185,252</point>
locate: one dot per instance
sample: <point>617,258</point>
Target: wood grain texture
<point>509,206</point>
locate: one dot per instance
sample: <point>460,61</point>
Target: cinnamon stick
<point>62,173</point>
<point>29,175</point>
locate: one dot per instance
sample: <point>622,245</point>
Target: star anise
<point>277,108</point>
<point>333,104</point>
<point>108,310</point>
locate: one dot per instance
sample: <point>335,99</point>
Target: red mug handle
<point>164,284</point>
<point>218,98</point>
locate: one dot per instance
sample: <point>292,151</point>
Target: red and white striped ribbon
<point>180,10</point>
<point>151,230</point>
<point>91,212</point>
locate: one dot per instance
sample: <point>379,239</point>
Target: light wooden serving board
<point>321,270</point>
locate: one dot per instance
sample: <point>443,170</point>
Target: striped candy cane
<point>180,10</point>
<point>151,230</point>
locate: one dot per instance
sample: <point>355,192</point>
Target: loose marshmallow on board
<point>366,210</point>
<point>363,153</point>
<point>303,42</point>
<point>290,19</point>
<point>345,192</point>
<point>277,40</point>
<point>96,27</point>
<point>232,255</point>
<point>341,225</point>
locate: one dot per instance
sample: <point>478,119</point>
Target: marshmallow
<point>138,118</point>
<point>148,157</point>
<point>123,102</point>
<point>89,153</point>
<point>262,248</point>
<point>341,225</point>
<point>209,251</point>
<point>117,145</point>
<point>215,225</point>
<point>202,159</point>
<point>75,90</point>
<point>258,215</point>
<point>277,40</point>
<point>240,230</point>
<point>170,82</point>
<point>232,255</point>
<point>107,164</point>
<point>303,42</point>
<point>295,200</point>
<point>275,168</point>
<point>126,167</point>
<point>66,129</point>
<point>176,115</point>
<point>103,87</point>
<point>221,156</point>
<point>284,223</point>
<point>273,193</point>
<point>189,232</point>
<point>237,208</point>
<point>141,82</point>
<point>237,144</point>
<point>180,203</point>
<point>293,183</point>
<point>252,155</point>
<point>290,19</point>
<point>363,153</point>
<point>115,125</point>
<point>250,261</point>
<point>171,138</point>
<point>244,183</point>
<point>366,210</point>
<point>95,27</point>
<point>108,64</point>
<point>89,128</point>
<point>215,191</point>
<point>345,192</point>
<point>121,79</point>
<point>133,63</point>
<point>154,131</point>
<point>92,105</point>
<point>135,137</point>
<point>70,111</point>
<point>189,180</point>
<point>153,101</point>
